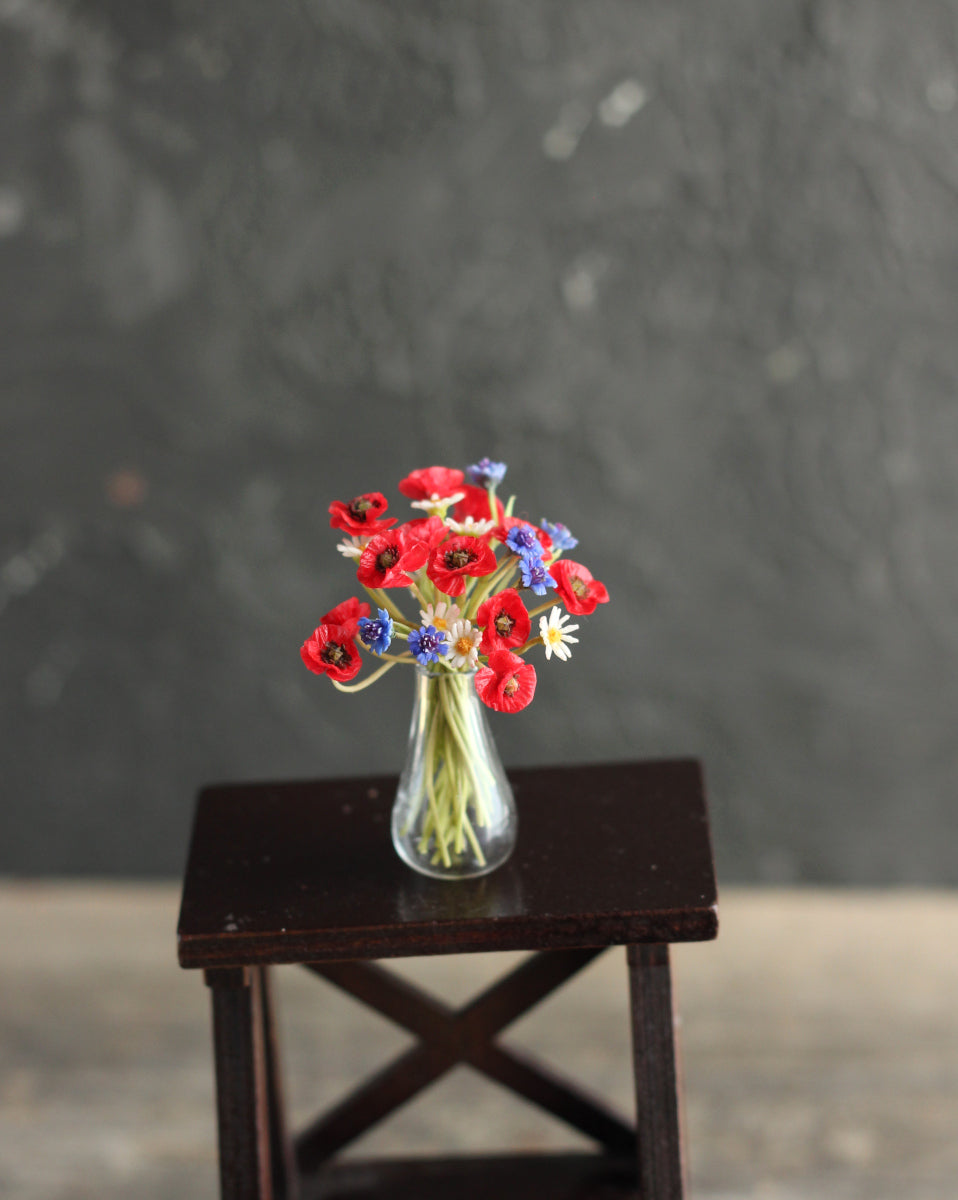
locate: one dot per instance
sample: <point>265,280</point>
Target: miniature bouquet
<point>469,567</point>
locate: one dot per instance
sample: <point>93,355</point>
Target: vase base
<point>423,866</point>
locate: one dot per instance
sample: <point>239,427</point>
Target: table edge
<point>256,949</point>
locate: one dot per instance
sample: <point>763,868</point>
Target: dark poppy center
<point>388,558</point>
<point>578,585</point>
<point>511,686</point>
<point>360,506</point>
<point>456,559</point>
<point>334,654</point>
<point>504,624</point>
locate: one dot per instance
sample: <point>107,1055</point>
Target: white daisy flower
<point>463,644</point>
<point>436,505</point>
<point>555,634</point>
<point>440,616</point>
<point>470,527</point>
<point>352,547</point>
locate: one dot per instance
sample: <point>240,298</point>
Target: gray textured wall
<point>690,268</point>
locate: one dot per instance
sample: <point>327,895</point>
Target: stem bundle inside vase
<point>454,811</point>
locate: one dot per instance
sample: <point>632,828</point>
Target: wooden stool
<point>306,873</point>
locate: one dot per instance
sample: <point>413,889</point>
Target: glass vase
<point>454,816</point>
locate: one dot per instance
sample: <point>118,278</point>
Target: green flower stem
<point>469,756</point>
<point>359,687</point>
<point>437,824</point>
<point>536,641</point>
<point>438,769</point>
<point>464,599</point>
<point>473,760</point>
<point>540,609</point>
<point>459,799</point>
<point>461,816</point>
<point>489,583</point>
<point>473,840</point>
<point>427,587</point>
<point>452,770</point>
<point>381,600</point>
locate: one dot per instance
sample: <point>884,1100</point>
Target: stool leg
<point>285,1183</point>
<point>242,1104</point>
<point>657,1092</point>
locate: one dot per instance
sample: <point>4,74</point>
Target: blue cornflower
<point>562,539</point>
<point>427,644</point>
<point>535,575</point>
<point>521,539</point>
<point>376,632</point>
<point>486,473</point>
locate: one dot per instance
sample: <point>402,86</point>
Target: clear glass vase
<point>454,816</point>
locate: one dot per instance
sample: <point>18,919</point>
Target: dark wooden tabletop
<point>306,872</point>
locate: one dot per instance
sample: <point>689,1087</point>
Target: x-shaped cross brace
<point>449,1037</point>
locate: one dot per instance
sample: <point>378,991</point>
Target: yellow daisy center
<point>464,645</point>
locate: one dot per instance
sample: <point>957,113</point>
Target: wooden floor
<point>820,1037</point>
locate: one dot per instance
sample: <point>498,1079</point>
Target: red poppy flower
<point>432,481</point>
<point>450,563</point>
<point>508,683</point>
<point>360,515</point>
<point>431,530</point>
<point>579,592</point>
<point>329,652</point>
<point>504,621</point>
<point>388,557</point>
<point>346,616</point>
<point>475,504</point>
